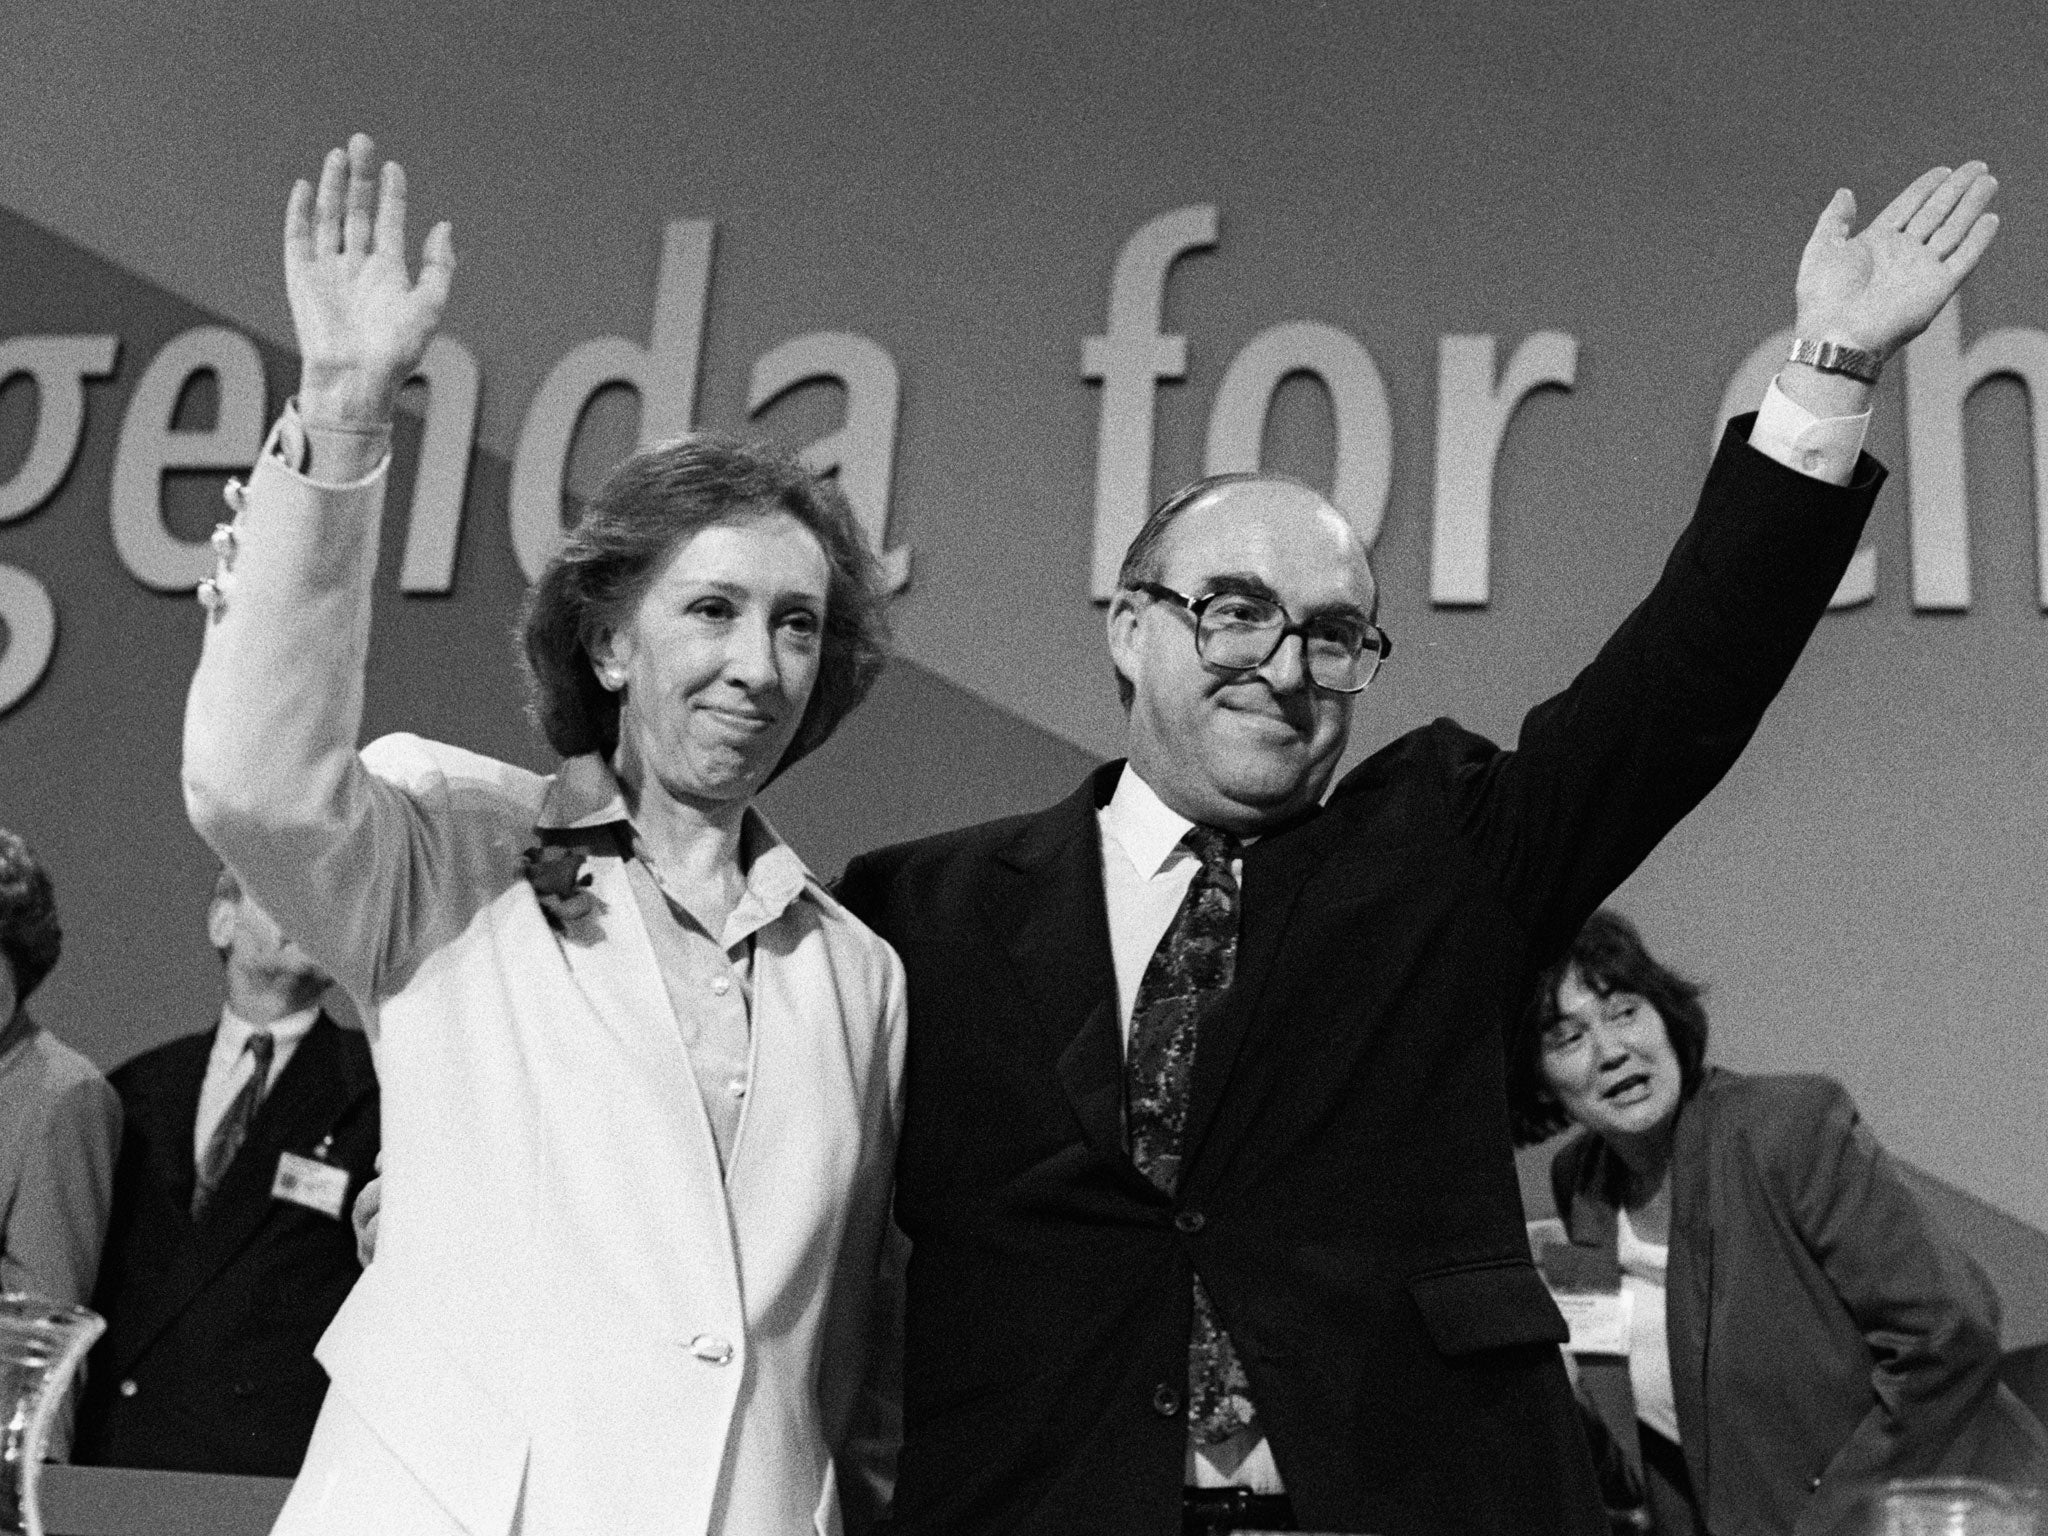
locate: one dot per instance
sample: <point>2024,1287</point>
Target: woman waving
<point>640,1070</point>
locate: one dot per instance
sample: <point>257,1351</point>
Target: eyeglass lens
<point>1241,633</point>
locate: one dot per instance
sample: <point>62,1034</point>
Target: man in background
<point>60,1124</point>
<point>229,1250</point>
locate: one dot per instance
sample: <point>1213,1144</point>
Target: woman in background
<point>1799,1331</point>
<point>640,1072</point>
<point>60,1122</point>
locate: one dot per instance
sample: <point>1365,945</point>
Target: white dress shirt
<point>1643,1266</point>
<point>230,1064</point>
<point>1824,447</point>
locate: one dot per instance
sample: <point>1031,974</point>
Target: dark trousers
<point>1668,1484</point>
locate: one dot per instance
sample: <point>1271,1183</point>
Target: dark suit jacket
<point>1824,1337</point>
<point>207,1362</point>
<point>1348,1192</point>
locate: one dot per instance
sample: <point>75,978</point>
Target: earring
<point>613,678</point>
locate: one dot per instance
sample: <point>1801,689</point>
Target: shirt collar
<point>585,794</point>
<point>16,1029</point>
<point>232,1037</point>
<point>775,878</point>
<point>1144,826</point>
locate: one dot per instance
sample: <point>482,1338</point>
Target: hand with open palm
<point>1879,289</point>
<point>362,322</point>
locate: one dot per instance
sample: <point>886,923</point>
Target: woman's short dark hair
<point>31,938</point>
<point>1608,957</point>
<point>645,508</point>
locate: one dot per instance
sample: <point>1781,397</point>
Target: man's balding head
<point>1240,750</point>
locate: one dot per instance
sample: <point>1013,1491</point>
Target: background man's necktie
<point>228,1136</point>
<point>1190,969</point>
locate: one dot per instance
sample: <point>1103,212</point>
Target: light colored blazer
<point>574,1319</point>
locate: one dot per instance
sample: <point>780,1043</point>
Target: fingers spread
<point>1907,203</point>
<point>362,195</point>
<point>327,204</point>
<point>298,223</point>
<point>389,237</point>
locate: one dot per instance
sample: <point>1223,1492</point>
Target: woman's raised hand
<point>362,323</point>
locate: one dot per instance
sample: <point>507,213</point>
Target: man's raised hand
<point>362,323</point>
<point>1879,289</point>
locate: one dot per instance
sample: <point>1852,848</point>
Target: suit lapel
<point>610,952</point>
<point>1044,900</point>
<point>619,976</point>
<point>170,1108</point>
<point>612,963</point>
<point>1688,1278</point>
<point>317,1086</point>
<point>1275,870</point>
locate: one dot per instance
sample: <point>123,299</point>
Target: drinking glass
<point>1952,1506</point>
<point>41,1343</point>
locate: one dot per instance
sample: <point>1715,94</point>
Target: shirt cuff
<point>296,447</point>
<point>1825,447</point>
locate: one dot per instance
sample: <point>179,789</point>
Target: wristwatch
<point>1833,357</point>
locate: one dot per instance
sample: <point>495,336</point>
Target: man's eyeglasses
<point>1239,632</point>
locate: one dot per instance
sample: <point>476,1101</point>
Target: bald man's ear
<point>1125,609</point>
<point>220,921</point>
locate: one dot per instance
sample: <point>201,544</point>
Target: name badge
<point>1599,1321</point>
<point>1587,1288</point>
<point>309,1182</point>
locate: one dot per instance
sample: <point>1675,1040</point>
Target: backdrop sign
<point>1475,402</point>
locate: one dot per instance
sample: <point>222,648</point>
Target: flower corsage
<point>563,890</point>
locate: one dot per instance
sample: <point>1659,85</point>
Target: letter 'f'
<point>1128,362</point>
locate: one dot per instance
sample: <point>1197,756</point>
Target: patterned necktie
<point>1189,970</point>
<point>228,1136</point>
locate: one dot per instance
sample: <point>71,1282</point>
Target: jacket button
<point>1165,1401</point>
<point>128,1388</point>
<point>711,1349</point>
<point>1190,1221</point>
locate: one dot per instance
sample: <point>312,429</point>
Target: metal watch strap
<point>1833,357</point>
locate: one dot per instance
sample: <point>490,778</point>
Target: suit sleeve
<point>1926,1313</point>
<point>875,1439</point>
<point>1604,769</point>
<point>58,1221</point>
<point>866,1455</point>
<point>859,889</point>
<point>343,859</point>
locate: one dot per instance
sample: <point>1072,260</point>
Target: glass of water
<point>1953,1506</point>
